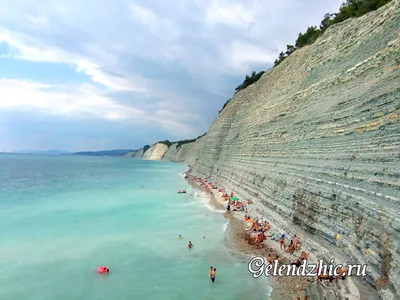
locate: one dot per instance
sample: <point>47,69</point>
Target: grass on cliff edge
<point>177,143</point>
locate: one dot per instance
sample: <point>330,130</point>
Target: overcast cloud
<point>87,75</point>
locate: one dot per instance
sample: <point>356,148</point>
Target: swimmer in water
<point>212,274</point>
<point>204,237</point>
<point>190,245</point>
<point>180,237</point>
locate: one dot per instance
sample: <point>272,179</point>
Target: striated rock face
<point>155,152</point>
<point>138,154</point>
<point>187,153</point>
<point>171,153</point>
<point>316,144</point>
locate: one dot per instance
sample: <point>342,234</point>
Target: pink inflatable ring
<point>103,270</point>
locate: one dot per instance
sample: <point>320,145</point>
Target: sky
<point>101,74</point>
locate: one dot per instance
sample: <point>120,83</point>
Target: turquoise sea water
<point>62,216</point>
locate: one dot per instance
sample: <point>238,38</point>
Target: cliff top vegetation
<point>179,143</point>
<point>348,9</point>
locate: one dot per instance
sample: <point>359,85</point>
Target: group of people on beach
<point>257,232</point>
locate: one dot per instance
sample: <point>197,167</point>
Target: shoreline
<point>284,288</point>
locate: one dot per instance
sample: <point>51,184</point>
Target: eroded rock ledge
<point>316,144</point>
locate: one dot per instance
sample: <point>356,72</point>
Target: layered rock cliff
<point>316,144</point>
<point>155,152</point>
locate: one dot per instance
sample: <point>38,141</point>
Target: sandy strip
<point>284,288</point>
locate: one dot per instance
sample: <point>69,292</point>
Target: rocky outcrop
<point>176,152</point>
<point>316,144</point>
<point>155,152</point>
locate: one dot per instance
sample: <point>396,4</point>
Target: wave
<point>205,199</point>
<point>225,226</point>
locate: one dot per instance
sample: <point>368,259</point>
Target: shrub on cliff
<point>183,142</point>
<point>145,148</point>
<point>248,80</point>
<point>166,142</point>
<point>348,9</point>
<point>200,136</point>
<point>225,104</point>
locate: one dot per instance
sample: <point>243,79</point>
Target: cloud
<point>230,13</point>
<point>86,110</point>
<point>242,54</point>
<point>71,100</point>
<point>170,63</point>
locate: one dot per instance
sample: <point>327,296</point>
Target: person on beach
<point>228,208</point>
<point>269,259</point>
<point>290,248</point>
<point>295,242</point>
<point>190,245</point>
<point>212,274</point>
<point>282,242</point>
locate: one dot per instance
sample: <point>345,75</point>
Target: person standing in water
<point>212,274</point>
<point>180,237</point>
<point>190,245</point>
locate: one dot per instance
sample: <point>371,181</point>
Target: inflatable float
<point>103,270</point>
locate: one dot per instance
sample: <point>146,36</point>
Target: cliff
<point>155,152</point>
<point>316,144</point>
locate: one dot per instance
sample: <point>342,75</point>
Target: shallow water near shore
<point>62,216</point>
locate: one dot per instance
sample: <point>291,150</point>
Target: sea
<point>63,216</point>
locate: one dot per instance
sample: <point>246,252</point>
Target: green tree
<point>249,80</point>
<point>348,9</point>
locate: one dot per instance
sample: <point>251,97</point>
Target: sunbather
<point>290,248</point>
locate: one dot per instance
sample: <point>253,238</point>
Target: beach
<point>285,287</point>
